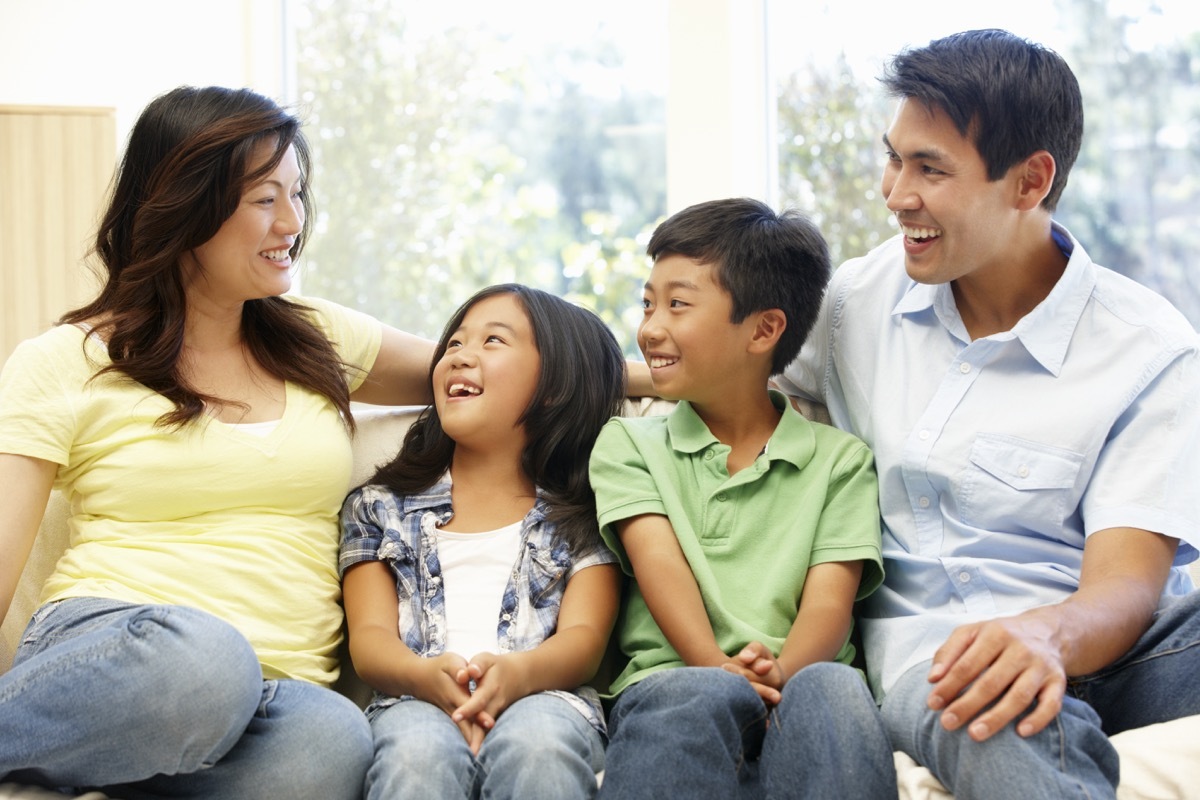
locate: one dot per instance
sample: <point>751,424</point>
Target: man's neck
<point>994,300</point>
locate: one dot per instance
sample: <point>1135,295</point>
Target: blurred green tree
<point>438,172</point>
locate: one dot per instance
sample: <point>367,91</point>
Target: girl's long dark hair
<point>188,160</point>
<point>581,386</point>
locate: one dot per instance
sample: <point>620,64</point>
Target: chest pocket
<point>1016,485</point>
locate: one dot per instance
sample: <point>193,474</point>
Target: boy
<point>749,532</point>
<point>1034,417</point>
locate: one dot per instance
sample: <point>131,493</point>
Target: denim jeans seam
<point>58,660</point>
<point>1133,662</point>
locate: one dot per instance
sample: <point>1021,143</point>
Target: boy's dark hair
<point>763,259</point>
<point>581,387</point>
<point>1013,97</point>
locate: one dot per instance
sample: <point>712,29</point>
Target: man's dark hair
<point>1013,97</point>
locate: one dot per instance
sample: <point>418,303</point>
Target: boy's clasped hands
<point>758,665</point>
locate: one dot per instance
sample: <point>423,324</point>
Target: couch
<point>1157,762</point>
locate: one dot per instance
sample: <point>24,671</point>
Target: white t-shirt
<point>475,569</point>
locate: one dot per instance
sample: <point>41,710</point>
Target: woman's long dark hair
<point>188,160</point>
<point>581,386</point>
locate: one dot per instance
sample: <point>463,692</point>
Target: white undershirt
<point>257,428</point>
<point>475,569</point>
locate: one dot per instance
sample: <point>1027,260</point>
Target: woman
<point>199,424</point>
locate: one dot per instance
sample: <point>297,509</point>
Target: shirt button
<point>923,502</point>
<point>507,616</point>
<point>964,368</point>
<point>708,455</point>
<point>923,435</point>
<point>964,577</point>
<point>1023,471</point>
<point>721,497</point>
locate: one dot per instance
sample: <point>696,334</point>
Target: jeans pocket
<point>1017,485</point>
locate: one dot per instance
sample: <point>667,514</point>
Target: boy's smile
<point>686,335</point>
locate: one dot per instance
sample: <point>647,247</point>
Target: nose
<point>290,219</point>
<point>898,191</point>
<point>462,356</point>
<point>650,330</point>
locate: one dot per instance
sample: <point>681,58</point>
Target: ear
<point>1034,178</point>
<point>767,330</point>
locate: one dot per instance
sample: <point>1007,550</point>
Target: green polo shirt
<point>811,497</point>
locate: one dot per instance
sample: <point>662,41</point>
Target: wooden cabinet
<point>55,167</point>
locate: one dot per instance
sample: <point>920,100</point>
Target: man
<point>1035,427</point>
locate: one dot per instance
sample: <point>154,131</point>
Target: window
<point>462,144</point>
<point>1133,199</point>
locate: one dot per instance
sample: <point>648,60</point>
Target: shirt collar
<point>793,440</point>
<point>1046,331</point>
<point>437,498</point>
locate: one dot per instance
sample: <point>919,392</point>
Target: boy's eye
<point>646,304</point>
<point>677,303</point>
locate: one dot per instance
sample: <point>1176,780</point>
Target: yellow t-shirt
<point>238,524</point>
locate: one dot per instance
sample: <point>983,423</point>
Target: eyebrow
<point>932,154</point>
<point>675,284</point>
<point>487,326</point>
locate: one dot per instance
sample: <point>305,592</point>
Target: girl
<point>484,529</point>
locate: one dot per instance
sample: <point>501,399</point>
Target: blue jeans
<point>167,701</point>
<point>1156,681</point>
<point>541,747</point>
<point>704,732</point>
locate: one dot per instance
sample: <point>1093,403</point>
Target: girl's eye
<point>646,304</point>
<point>676,303</point>
<point>494,338</point>
<point>453,343</point>
<point>265,201</point>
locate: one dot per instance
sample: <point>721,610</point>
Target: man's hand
<point>1006,664</point>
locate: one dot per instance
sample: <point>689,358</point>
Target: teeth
<point>462,389</point>
<point>275,255</point>
<point>919,233</point>
<point>658,361</point>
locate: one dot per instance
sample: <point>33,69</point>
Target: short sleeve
<point>622,482</point>
<point>361,533</point>
<point>355,336</point>
<point>37,388</point>
<point>849,527</point>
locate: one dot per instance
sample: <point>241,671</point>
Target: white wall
<point>718,106</point>
<point>123,53</point>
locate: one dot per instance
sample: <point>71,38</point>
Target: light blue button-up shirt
<point>998,457</point>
